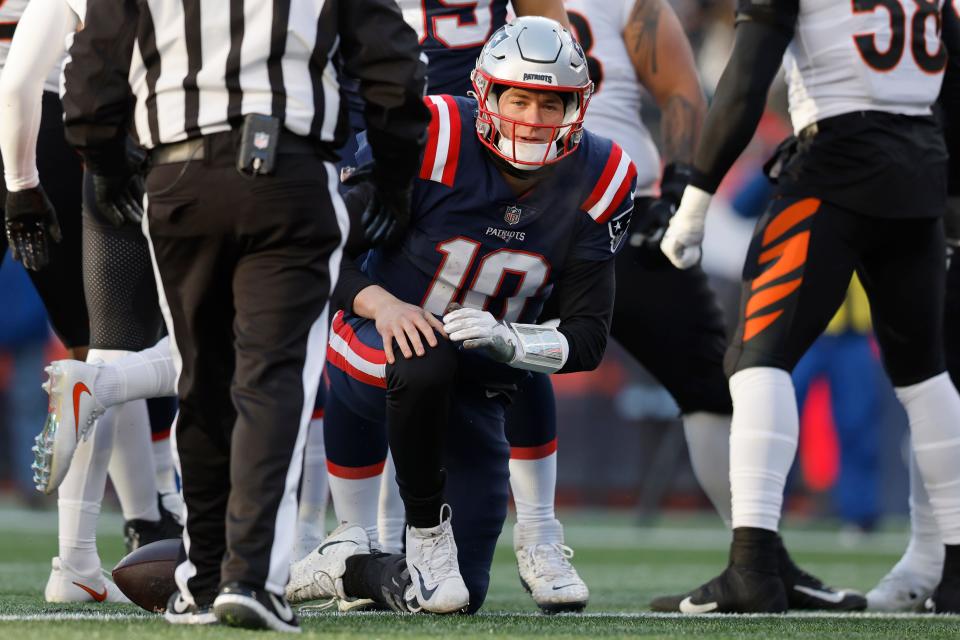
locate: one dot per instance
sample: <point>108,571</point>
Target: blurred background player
<point>840,206</point>
<point>913,579</point>
<point>124,316</point>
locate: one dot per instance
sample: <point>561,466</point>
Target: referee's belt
<point>194,148</point>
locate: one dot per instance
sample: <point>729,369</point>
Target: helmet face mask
<point>539,55</point>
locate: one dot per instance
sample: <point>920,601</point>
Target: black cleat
<point>805,591</point>
<point>946,597</point>
<point>750,584</point>
<point>179,611</point>
<point>736,590</point>
<point>238,605</point>
<point>138,533</point>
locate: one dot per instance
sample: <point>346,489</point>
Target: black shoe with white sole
<point>179,611</point>
<point>736,590</point>
<point>238,605</point>
<point>805,591</point>
<point>751,583</point>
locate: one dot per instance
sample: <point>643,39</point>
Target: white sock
<point>79,498</point>
<point>137,376</point>
<point>763,443</point>
<point>533,484</point>
<point>165,474</point>
<point>924,554</point>
<point>708,441</point>
<point>355,499</point>
<point>933,410</point>
<point>526,534</point>
<point>314,490</point>
<point>131,459</point>
<point>391,515</point>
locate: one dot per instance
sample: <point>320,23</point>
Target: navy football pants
<point>475,454</point>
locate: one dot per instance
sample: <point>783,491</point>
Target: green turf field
<point>624,565</point>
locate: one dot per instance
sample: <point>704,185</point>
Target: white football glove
<point>478,329</point>
<point>684,235</point>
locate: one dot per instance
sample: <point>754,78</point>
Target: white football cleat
<point>320,574</point>
<point>71,414</point>
<point>903,589</point>
<point>434,570</point>
<point>64,585</point>
<point>546,573</point>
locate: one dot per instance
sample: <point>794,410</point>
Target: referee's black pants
<point>246,267</point>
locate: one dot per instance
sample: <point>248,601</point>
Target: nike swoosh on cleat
<point>78,390</point>
<point>564,586</point>
<point>427,593</point>
<point>99,597</point>
<point>687,606</point>
<point>330,544</point>
<point>827,596</point>
<point>282,607</point>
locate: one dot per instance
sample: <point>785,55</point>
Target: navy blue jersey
<point>452,33</point>
<point>472,241</point>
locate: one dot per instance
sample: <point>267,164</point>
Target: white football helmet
<point>534,53</point>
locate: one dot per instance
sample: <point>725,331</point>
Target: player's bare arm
<point>664,64</point>
<point>397,320</point>
<point>547,8</point>
<point>763,33</point>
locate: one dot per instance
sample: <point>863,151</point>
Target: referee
<point>240,111</point>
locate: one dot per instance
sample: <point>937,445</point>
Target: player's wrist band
<point>539,348</point>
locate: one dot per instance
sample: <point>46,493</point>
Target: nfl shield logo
<point>261,140</point>
<point>512,215</point>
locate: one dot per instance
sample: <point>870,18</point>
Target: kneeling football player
<point>514,202</point>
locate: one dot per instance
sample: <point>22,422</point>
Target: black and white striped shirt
<point>196,68</point>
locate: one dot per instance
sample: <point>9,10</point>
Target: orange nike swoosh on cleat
<point>99,597</point>
<point>78,389</point>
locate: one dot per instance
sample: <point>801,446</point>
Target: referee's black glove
<point>119,197</point>
<point>31,223</point>
<point>649,226</point>
<point>387,215</point>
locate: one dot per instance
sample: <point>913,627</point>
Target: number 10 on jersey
<point>460,257</point>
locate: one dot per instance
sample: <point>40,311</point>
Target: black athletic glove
<point>31,224</point>
<point>386,212</point>
<point>649,226</point>
<point>387,215</point>
<point>120,196</point>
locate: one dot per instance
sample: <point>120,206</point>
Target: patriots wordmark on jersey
<point>474,242</point>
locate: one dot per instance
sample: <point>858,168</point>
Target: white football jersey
<point>614,110</point>
<point>10,12</point>
<point>844,58</point>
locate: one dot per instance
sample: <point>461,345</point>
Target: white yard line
<point>70,617</point>
<point>605,615</point>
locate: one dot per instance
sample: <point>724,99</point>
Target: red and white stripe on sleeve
<point>443,140</point>
<point>614,184</point>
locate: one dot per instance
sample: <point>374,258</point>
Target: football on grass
<point>146,574</point>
